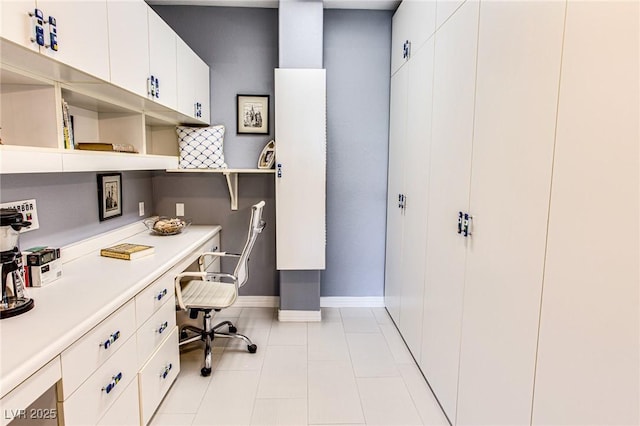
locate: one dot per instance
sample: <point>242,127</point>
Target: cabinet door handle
<point>467,225</point>
<point>162,327</point>
<point>279,170</point>
<point>459,222</point>
<point>160,295</point>
<point>112,338</point>
<point>112,384</point>
<point>37,22</point>
<point>166,370</point>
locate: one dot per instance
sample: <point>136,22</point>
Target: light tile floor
<point>350,369</point>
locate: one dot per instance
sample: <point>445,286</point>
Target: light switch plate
<point>141,208</point>
<point>179,209</point>
<point>28,210</point>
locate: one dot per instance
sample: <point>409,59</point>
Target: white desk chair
<point>213,291</point>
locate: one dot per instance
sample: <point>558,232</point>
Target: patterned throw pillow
<point>201,147</point>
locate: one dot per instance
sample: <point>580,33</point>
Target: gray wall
<point>240,46</point>
<point>68,204</point>
<point>357,52</point>
<point>300,33</point>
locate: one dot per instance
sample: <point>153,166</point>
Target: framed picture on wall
<point>253,114</point>
<point>109,195</point>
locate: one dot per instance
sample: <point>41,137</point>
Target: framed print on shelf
<point>253,114</point>
<point>267,156</point>
<point>109,195</point>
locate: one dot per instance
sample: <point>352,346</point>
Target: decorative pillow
<point>201,147</point>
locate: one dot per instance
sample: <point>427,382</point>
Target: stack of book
<point>127,251</point>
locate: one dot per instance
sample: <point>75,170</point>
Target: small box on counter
<point>42,275</point>
<point>43,256</point>
<point>42,266</point>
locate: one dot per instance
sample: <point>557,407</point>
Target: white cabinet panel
<point>162,59</point>
<point>520,46</point>
<point>588,355</point>
<point>129,44</point>
<point>451,146</point>
<point>416,190</point>
<point>413,22</point>
<point>446,8</point>
<point>83,40</point>
<point>300,168</point>
<point>193,83</point>
<point>15,23</point>
<point>126,410</point>
<point>395,185</point>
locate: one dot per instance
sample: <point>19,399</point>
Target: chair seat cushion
<point>208,294</point>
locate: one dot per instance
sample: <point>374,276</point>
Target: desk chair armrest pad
<point>178,279</point>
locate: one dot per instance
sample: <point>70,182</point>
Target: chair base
<point>208,333</point>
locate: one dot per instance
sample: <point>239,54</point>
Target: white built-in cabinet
<point>533,316</point>
<point>162,61</point>
<point>129,50</point>
<point>107,52</point>
<point>193,96</point>
<point>300,183</point>
<point>588,365</point>
<point>450,162</point>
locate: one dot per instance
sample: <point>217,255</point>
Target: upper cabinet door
<point>162,60</point>
<point>193,83</point>
<point>129,44</point>
<point>16,24</point>
<point>413,24</point>
<point>82,35</point>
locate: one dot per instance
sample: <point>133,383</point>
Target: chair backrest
<point>256,225</point>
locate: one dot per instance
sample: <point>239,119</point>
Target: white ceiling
<point>328,4</point>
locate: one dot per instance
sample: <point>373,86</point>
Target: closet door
<point>395,186</point>
<point>163,59</point>
<point>416,190</point>
<point>588,355</point>
<point>519,51</point>
<point>453,92</point>
<point>300,102</point>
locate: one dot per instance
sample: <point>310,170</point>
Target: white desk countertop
<point>90,289</point>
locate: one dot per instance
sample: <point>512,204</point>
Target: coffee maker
<point>14,300</point>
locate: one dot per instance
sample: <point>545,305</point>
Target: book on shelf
<point>100,146</point>
<point>67,126</point>
<point>127,251</point>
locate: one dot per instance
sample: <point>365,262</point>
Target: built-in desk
<point>35,345</point>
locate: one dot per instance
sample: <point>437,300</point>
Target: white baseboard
<point>299,316</point>
<point>257,302</point>
<point>352,302</point>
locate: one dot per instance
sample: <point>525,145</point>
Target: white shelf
<point>231,176</point>
<point>19,159</point>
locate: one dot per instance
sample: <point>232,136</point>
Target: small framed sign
<point>253,114</point>
<point>109,195</point>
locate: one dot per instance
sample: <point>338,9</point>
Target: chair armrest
<point>214,254</point>
<point>178,279</point>
<point>233,278</point>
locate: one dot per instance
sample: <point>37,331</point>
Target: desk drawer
<point>94,348</point>
<point>156,376</point>
<point>91,401</point>
<point>125,411</point>
<point>153,297</point>
<point>155,330</point>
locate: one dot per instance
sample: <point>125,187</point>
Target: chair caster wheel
<point>205,371</point>
<point>183,334</point>
<point>252,349</point>
<point>232,329</point>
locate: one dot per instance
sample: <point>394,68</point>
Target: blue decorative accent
<point>112,384</point>
<point>163,327</point>
<point>162,294</point>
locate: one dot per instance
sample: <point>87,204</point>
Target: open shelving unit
<point>231,176</point>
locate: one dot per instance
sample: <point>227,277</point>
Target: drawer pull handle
<point>162,294</point>
<point>112,384</point>
<point>107,343</point>
<point>166,371</point>
<point>163,327</point>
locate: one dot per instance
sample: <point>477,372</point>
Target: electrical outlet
<point>28,210</point>
<point>141,208</point>
<point>179,209</point>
